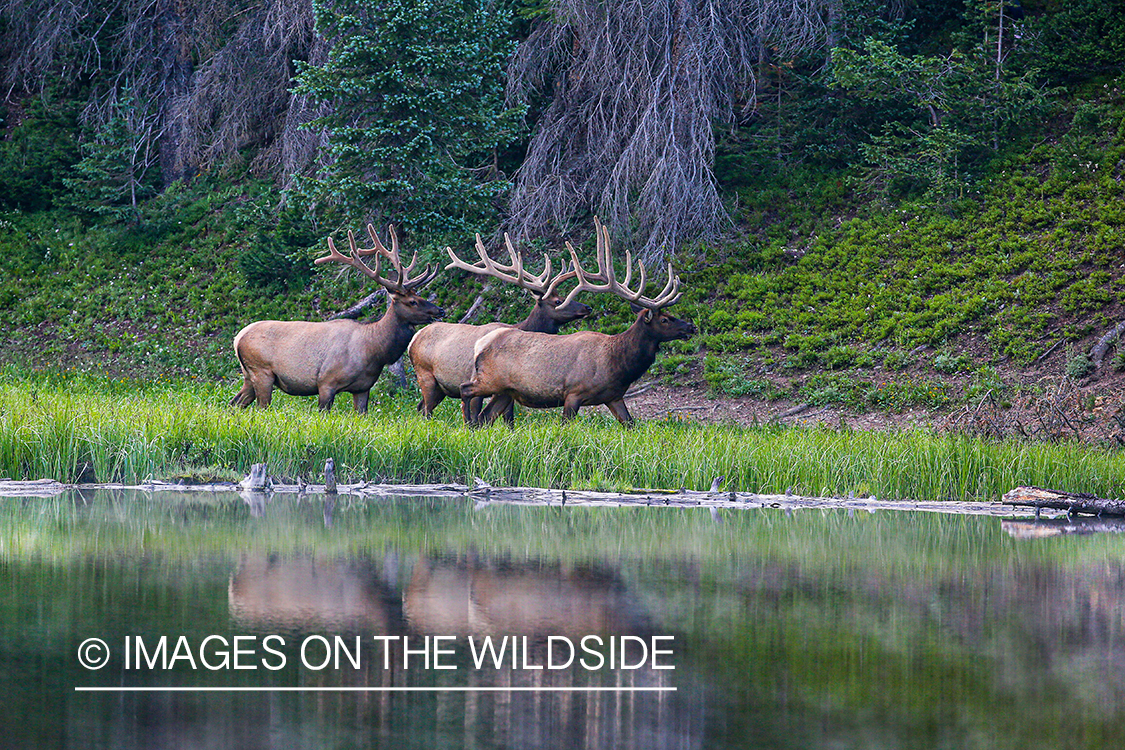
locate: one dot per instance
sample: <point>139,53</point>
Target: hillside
<point>819,296</point>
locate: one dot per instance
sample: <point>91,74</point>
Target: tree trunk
<point>175,63</point>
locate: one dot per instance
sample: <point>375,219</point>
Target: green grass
<point>129,431</point>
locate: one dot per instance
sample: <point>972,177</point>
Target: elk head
<point>408,305</point>
<point>549,304</point>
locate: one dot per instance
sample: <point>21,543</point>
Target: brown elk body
<point>579,369</point>
<point>442,353</point>
<point>306,358</point>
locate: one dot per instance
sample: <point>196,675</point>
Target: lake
<point>308,622</point>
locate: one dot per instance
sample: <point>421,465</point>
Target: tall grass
<point>132,431</point>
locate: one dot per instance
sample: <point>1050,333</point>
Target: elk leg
<point>471,408</point>
<point>494,409</point>
<point>360,401</point>
<point>570,407</point>
<point>244,397</point>
<point>431,394</point>
<point>325,397</point>
<point>619,410</point>
<point>262,383</point>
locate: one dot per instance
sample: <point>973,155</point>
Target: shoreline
<point>538,496</point>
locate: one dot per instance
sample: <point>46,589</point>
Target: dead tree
<point>635,89</point>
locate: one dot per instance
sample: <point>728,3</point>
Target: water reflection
<point>1047,527</point>
<point>306,594</point>
<point>536,599</point>
<point>816,629</point>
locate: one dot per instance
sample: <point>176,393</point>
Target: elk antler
<point>514,273</point>
<point>605,274</point>
<point>400,285</point>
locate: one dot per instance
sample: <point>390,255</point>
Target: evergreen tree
<point>414,96</point>
<point>116,170</point>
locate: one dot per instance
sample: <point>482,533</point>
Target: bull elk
<point>579,369</point>
<point>305,358</point>
<point>442,353</point>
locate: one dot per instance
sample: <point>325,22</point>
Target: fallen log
<point>1071,502</point>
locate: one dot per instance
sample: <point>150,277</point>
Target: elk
<point>442,353</point>
<point>579,369</point>
<point>305,358</point>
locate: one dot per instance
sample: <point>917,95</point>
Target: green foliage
<point>730,376</point>
<point>963,102</point>
<point>36,153</point>
<point>896,360</point>
<point>862,394</point>
<point>414,90</point>
<point>674,367</point>
<point>281,259</point>
<point>1081,38</point>
<point>948,363</point>
<point>1079,366</point>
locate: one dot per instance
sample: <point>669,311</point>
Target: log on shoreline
<point>1071,502</point>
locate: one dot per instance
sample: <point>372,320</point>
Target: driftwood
<point>330,477</point>
<point>488,495</point>
<point>1097,354</point>
<point>1071,502</point>
<point>791,412</point>
<point>258,480</point>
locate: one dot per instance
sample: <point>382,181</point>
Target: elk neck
<point>635,348</point>
<point>538,320</point>
<point>391,331</point>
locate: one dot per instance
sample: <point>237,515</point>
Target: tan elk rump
<point>442,353</point>
<point>579,369</point>
<point>306,358</point>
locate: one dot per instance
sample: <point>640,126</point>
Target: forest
<point>873,206</point>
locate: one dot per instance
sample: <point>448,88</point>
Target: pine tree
<point>414,93</point>
<point>117,169</point>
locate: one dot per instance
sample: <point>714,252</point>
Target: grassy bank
<point>129,431</point>
<point>819,294</point>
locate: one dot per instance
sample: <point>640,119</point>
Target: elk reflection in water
<point>443,597</point>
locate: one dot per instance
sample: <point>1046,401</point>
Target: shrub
<point>1079,366</point>
<point>949,364</point>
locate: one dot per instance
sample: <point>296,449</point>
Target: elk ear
<point>637,308</point>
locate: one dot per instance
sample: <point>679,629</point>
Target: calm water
<point>818,629</point>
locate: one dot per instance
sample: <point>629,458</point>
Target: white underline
<point>81,689</point>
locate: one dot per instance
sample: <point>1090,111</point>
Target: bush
<point>947,363</point>
<point>1079,366</point>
